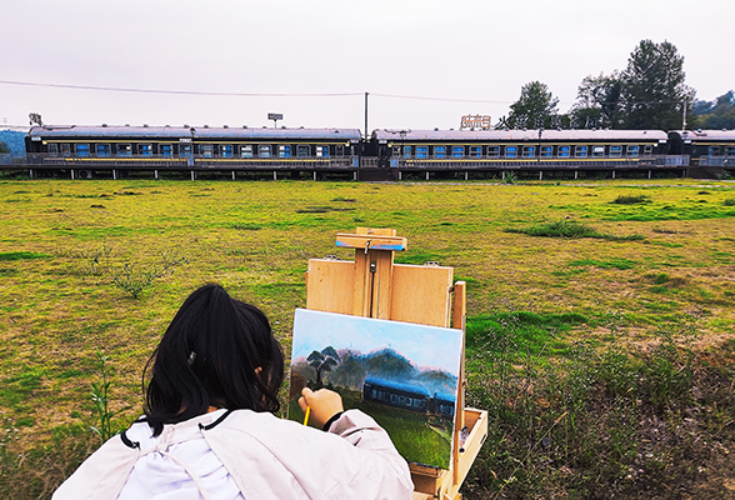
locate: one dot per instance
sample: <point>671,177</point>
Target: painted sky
<point>445,53</point>
<point>425,346</point>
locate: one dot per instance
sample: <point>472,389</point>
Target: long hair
<point>217,351</point>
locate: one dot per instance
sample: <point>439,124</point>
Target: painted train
<point>408,397</point>
<point>122,150</point>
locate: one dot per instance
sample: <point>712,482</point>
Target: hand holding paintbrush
<point>320,406</point>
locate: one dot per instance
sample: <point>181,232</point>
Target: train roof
<point>706,135</point>
<point>416,389</point>
<point>519,135</point>
<point>166,132</point>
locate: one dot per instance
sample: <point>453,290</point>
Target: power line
<point>172,92</point>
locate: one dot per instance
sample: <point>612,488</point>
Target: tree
<point>653,89</point>
<point>4,149</point>
<point>718,114</point>
<point>599,102</point>
<point>323,361</point>
<point>534,108</point>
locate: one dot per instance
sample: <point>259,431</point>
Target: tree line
<point>650,93</point>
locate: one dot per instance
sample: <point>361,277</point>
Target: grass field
<point>579,303</point>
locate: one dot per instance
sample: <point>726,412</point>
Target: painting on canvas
<point>406,376</point>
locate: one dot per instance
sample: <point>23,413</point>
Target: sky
<point>425,346</point>
<point>424,63</point>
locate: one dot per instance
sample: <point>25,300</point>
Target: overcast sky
<point>449,51</point>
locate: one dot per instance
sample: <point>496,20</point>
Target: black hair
<point>217,351</point>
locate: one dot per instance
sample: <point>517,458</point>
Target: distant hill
<point>15,141</point>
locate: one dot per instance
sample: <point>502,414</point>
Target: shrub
<point>631,200</point>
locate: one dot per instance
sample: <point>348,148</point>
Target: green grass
<point>544,312</point>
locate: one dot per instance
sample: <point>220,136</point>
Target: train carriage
<point>705,148</point>
<point>507,148</point>
<point>408,397</point>
<point>125,147</point>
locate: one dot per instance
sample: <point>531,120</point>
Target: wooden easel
<point>373,286</point>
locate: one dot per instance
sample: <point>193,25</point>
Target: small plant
<point>135,281</point>
<point>631,200</point>
<point>101,398</point>
<point>510,178</point>
<point>730,202</point>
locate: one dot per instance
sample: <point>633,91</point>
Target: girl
<point>209,430</point>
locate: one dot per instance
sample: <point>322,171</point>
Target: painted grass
<point>255,238</point>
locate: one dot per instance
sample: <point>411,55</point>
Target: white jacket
<point>268,458</point>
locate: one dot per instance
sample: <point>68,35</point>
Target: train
<point>87,151</point>
<point>408,397</point>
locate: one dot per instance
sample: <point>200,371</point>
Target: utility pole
<point>684,116</point>
<point>366,114</point>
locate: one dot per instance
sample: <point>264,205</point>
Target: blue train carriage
<point>408,397</point>
<point>145,147</point>
<point>458,149</point>
<point>705,148</point>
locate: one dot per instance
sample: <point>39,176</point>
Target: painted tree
<point>534,107</point>
<point>323,361</point>
<point>653,90</point>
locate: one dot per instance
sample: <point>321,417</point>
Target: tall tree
<point>4,149</point>
<point>653,88</point>
<point>599,102</point>
<point>534,108</point>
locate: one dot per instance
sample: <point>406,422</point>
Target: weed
<point>571,229</point>
<point>105,427</point>
<point>135,280</point>
<point>729,202</point>
<point>631,200</point>
<point>510,177</point>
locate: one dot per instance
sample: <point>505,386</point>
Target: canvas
<point>406,376</point>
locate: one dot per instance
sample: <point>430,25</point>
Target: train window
<point>547,151</point>
<point>440,151</point>
<point>226,150</point>
<point>322,151</point>
<point>264,151</point>
<point>422,151</point>
<point>648,150</point>
<point>82,149</point>
<point>246,151</point>
<point>529,151</point>
<point>124,150</point>
<point>103,150</point>
<point>511,151</point>
<point>302,151</point>
<point>65,150</point>
<point>563,151</point>
<point>145,149</point>
<point>730,150</point>
<point>493,151</point>
<point>53,149</point>
<point>616,151</point>
<point>206,150</point>
<point>407,151</point>
<point>284,151</point>
<point>712,150</point>
<point>580,151</point>
<point>165,149</point>
<point>393,398</point>
<point>185,150</point>
<point>476,151</point>
<point>631,150</point>
<point>598,151</point>
<point>457,151</point>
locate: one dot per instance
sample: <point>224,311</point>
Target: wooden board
<point>421,294</point>
<point>330,286</point>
